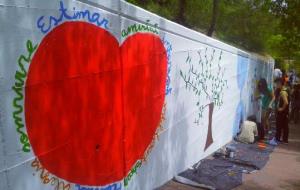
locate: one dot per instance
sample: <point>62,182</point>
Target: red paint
<point>89,102</point>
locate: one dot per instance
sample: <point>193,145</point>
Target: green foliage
<point>263,26</point>
<point>165,8</point>
<point>288,12</point>
<point>289,47</point>
<point>247,24</point>
<point>198,14</point>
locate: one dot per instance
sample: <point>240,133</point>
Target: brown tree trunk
<point>209,138</point>
<point>213,18</point>
<point>180,16</point>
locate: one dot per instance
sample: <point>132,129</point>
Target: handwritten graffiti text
<point>159,130</point>
<point>94,18</point>
<point>139,28</point>
<point>168,47</point>
<point>46,177</point>
<point>20,76</point>
<point>132,172</point>
<point>115,186</point>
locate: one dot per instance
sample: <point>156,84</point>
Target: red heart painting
<point>91,106</point>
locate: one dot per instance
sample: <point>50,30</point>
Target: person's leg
<point>268,113</point>
<point>263,123</point>
<point>278,127</point>
<point>292,116</point>
<point>285,127</point>
<point>297,114</point>
<point>261,131</point>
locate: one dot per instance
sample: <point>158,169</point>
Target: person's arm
<point>272,99</point>
<point>284,96</point>
<point>257,94</point>
<point>255,131</point>
<point>257,97</point>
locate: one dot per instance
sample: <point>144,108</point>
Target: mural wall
<point>104,95</point>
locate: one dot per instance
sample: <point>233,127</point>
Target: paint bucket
<point>230,151</point>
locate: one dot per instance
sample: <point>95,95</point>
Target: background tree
<point>180,18</point>
<point>213,22</point>
<point>289,47</point>
<point>263,26</point>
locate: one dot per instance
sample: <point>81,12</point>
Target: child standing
<point>267,100</point>
<point>282,128</point>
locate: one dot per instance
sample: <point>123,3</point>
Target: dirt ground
<point>281,172</point>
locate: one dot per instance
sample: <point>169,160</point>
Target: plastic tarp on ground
<point>225,173</point>
<point>105,95</point>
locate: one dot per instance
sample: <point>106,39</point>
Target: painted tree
<point>205,78</point>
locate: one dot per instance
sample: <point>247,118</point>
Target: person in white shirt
<point>248,132</point>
